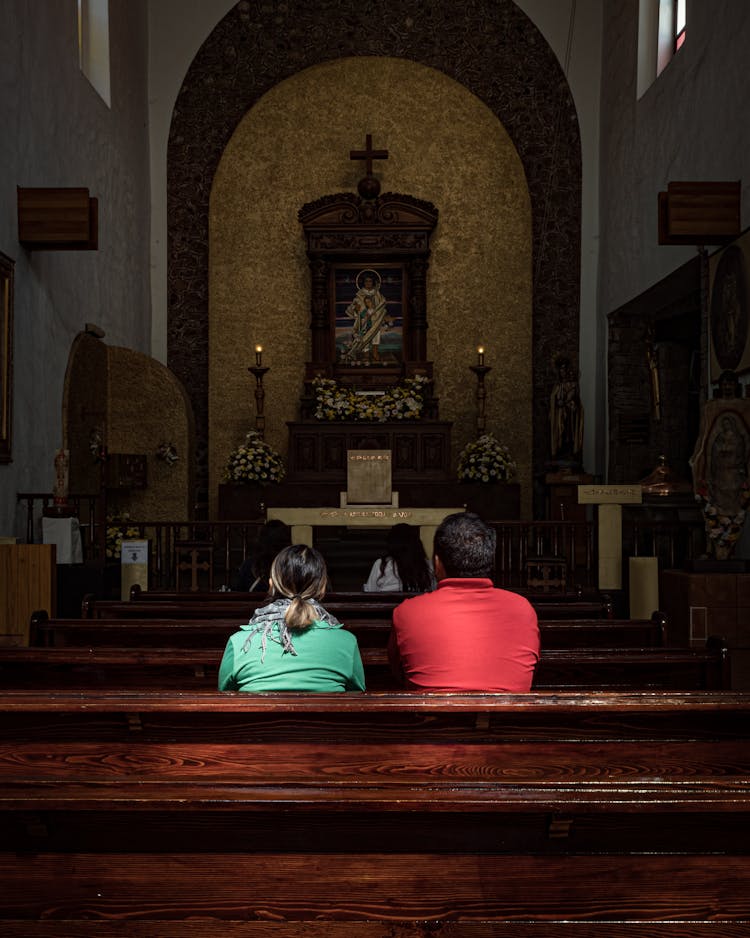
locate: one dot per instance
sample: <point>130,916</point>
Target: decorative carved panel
<point>386,238</point>
<point>421,452</point>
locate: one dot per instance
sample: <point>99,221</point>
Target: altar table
<point>303,520</point>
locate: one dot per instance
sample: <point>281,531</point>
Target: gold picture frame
<point>6,356</point>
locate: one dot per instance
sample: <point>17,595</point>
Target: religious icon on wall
<point>721,467</point>
<point>368,305</point>
<point>729,313</point>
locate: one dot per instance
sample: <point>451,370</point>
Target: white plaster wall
<point>58,132</point>
<point>181,26</point>
<point>691,124</point>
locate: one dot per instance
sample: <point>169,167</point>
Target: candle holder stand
<point>481,371</point>
<point>260,397</point>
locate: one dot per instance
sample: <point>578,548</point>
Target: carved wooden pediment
<point>391,210</point>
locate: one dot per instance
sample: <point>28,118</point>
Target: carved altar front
<point>420,450</point>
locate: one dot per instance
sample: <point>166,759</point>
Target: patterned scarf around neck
<point>268,622</point>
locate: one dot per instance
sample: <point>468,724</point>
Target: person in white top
<point>404,568</point>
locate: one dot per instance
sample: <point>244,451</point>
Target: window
<point>679,31</point>
<point>93,44</point>
<point>661,32</point>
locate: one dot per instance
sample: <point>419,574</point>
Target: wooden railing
<point>573,544</point>
<point>88,509</point>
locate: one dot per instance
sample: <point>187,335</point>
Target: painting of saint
<point>369,320</point>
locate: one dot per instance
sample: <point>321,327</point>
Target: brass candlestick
<point>481,371</point>
<point>260,396</point>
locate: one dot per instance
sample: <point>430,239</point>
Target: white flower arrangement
<point>486,460</point>
<point>254,461</point>
<point>403,402</point>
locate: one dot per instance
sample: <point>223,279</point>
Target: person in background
<point>293,643</point>
<point>467,635</point>
<point>254,572</point>
<point>404,567</point>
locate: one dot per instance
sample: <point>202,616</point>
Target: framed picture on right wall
<point>729,312</point>
<point>6,356</point>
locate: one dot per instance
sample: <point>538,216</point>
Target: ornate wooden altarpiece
<point>359,244</point>
<point>348,239</point>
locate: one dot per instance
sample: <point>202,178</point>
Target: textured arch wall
<point>490,47</point>
<point>445,146</point>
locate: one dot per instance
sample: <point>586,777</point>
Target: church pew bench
<point>196,669</point>
<point>293,812</point>
<point>370,632</point>
<point>235,928</point>
<point>635,668</point>
<point>593,597</point>
<point>351,605</point>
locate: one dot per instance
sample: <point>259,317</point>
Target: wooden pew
<point>408,815</point>
<point>344,605</point>
<point>635,668</point>
<point>196,669</point>
<point>371,632</point>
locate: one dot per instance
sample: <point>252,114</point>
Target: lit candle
<point>480,354</point>
<point>258,355</point>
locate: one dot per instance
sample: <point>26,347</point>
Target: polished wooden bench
<point>375,815</point>
<point>370,631</point>
<point>196,669</point>
<point>344,605</point>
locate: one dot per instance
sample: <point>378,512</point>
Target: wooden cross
<point>368,154</point>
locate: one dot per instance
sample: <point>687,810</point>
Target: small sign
<point>610,494</point>
<point>133,566</point>
<point>134,552</point>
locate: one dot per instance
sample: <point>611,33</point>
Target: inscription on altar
<point>348,514</point>
<point>368,477</point>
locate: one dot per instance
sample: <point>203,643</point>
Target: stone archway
<point>517,75</point>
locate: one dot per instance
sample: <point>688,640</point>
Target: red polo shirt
<point>466,635</point>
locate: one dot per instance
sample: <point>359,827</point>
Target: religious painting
<point>368,307</point>
<point>729,312</point>
<point>6,356</point>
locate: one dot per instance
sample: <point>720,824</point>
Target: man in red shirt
<point>466,635</point>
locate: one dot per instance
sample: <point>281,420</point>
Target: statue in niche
<point>566,415</point>
<point>721,467</point>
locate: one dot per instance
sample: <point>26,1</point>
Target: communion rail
<point>571,544</point>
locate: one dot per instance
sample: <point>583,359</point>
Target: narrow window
<point>93,44</point>
<point>661,33</point>
<point>672,22</point>
<point>679,33</point>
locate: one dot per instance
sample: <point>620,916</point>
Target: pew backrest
<point>343,605</point>
<point>146,667</point>
<point>371,631</point>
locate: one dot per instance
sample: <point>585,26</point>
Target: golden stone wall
<point>446,147</point>
<point>147,405</point>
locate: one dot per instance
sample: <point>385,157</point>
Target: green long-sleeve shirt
<point>327,660</point>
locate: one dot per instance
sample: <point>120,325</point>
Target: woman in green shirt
<point>293,644</point>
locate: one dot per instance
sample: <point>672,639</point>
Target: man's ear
<point>437,565</point>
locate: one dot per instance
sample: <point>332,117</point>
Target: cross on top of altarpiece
<point>368,186</point>
<point>368,154</point>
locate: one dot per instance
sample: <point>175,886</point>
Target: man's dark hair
<point>466,546</point>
